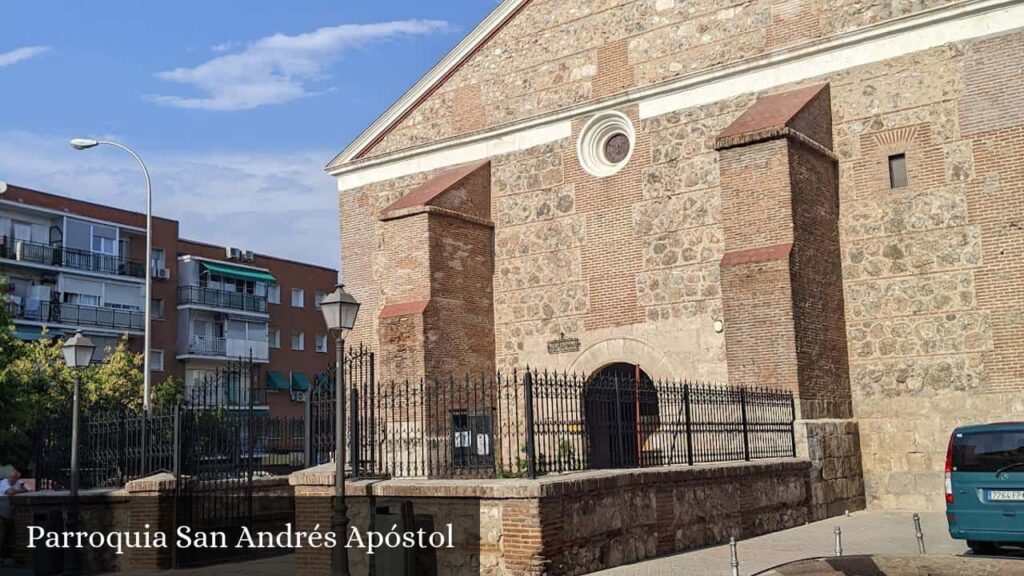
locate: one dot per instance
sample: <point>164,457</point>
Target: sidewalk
<point>862,533</point>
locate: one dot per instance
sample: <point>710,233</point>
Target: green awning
<point>28,333</point>
<point>277,381</point>
<point>299,382</point>
<point>239,273</point>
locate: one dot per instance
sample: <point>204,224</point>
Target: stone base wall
<point>99,510</point>
<point>570,524</point>
<point>144,506</point>
<point>836,481</point>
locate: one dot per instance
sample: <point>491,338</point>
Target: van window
<point>987,451</point>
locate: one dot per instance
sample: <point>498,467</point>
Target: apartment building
<point>71,265</point>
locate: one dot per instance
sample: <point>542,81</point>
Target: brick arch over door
<point>627,350</point>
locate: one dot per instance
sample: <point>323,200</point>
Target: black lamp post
<point>340,310</point>
<point>78,352</point>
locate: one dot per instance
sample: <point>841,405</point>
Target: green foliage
<point>36,384</point>
<point>117,382</point>
<point>169,392</point>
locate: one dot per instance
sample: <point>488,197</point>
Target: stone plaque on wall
<point>563,345</point>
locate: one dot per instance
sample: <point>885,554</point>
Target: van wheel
<point>982,548</point>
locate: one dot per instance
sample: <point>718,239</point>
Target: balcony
<point>221,299</point>
<point>75,315</point>
<point>32,252</point>
<point>227,348</point>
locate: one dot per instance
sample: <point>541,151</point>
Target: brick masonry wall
<point>930,271</point>
<point>553,53</point>
<point>570,525</point>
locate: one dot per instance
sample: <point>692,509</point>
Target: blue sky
<point>236,106</point>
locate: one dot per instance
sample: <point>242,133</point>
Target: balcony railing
<point>228,347</point>
<point>208,346</point>
<point>221,299</point>
<point>75,315</point>
<point>37,253</point>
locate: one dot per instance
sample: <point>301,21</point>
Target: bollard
<point>734,557</point>
<point>839,541</point>
<point>919,534</point>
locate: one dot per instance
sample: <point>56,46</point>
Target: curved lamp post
<point>85,144</point>
<point>340,310</point>
<point>78,352</point>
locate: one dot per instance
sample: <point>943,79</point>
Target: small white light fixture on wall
<point>719,326</point>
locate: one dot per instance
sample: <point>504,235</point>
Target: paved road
<point>862,533</point>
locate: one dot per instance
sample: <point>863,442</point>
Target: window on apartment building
<point>298,297</point>
<point>21,231</point>
<point>274,337</point>
<point>321,342</point>
<point>898,171</point>
<point>156,360</point>
<point>104,239</point>
<point>103,344</point>
<point>298,341</point>
<point>157,306</point>
<point>274,294</point>
<point>159,260</point>
<point>318,298</point>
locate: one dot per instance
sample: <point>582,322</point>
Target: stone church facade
<point>818,195</point>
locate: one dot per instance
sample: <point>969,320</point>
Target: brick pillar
<point>781,274</point>
<point>438,313</point>
<point>151,502</point>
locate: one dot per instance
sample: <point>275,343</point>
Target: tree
<point>37,385</point>
<point>117,382</point>
<point>169,392</point>
<point>22,372</point>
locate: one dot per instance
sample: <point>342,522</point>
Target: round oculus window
<point>616,148</point>
<point>606,144</point>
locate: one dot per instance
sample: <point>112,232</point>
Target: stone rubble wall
<point>931,272</point>
<point>835,480</point>
<point>556,54</point>
<point>569,524</point>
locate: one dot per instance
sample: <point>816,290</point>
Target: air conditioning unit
<point>233,253</point>
<point>298,396</point>
<point>161,273</point>
<point>248,256</point>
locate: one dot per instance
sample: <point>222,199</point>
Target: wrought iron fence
<point>116,446</point>
<point>221,429</point>
<point>519,424</point>
<point>525,424</point>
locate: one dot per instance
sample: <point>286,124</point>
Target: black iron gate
<point>362,450</point>
<point>220,452</point>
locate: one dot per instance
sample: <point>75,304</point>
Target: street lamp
<point>78,352</point>
<point>85,144</point>
<point>339,309</point>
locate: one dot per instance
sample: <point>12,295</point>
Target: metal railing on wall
<point>58,255</point>
<point>526,424</point>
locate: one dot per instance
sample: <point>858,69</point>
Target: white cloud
<point>19,54</point>
<point>279,68</point>
<point>278,204</point>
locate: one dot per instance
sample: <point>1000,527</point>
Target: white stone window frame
<point>594,136</point>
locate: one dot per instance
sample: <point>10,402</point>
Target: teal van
<point>985,486</point>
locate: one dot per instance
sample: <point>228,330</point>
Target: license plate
<point>1005,495</point>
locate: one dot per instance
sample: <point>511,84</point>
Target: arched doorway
<point>620,406</point>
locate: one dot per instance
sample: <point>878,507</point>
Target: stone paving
<point>870,532</point>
